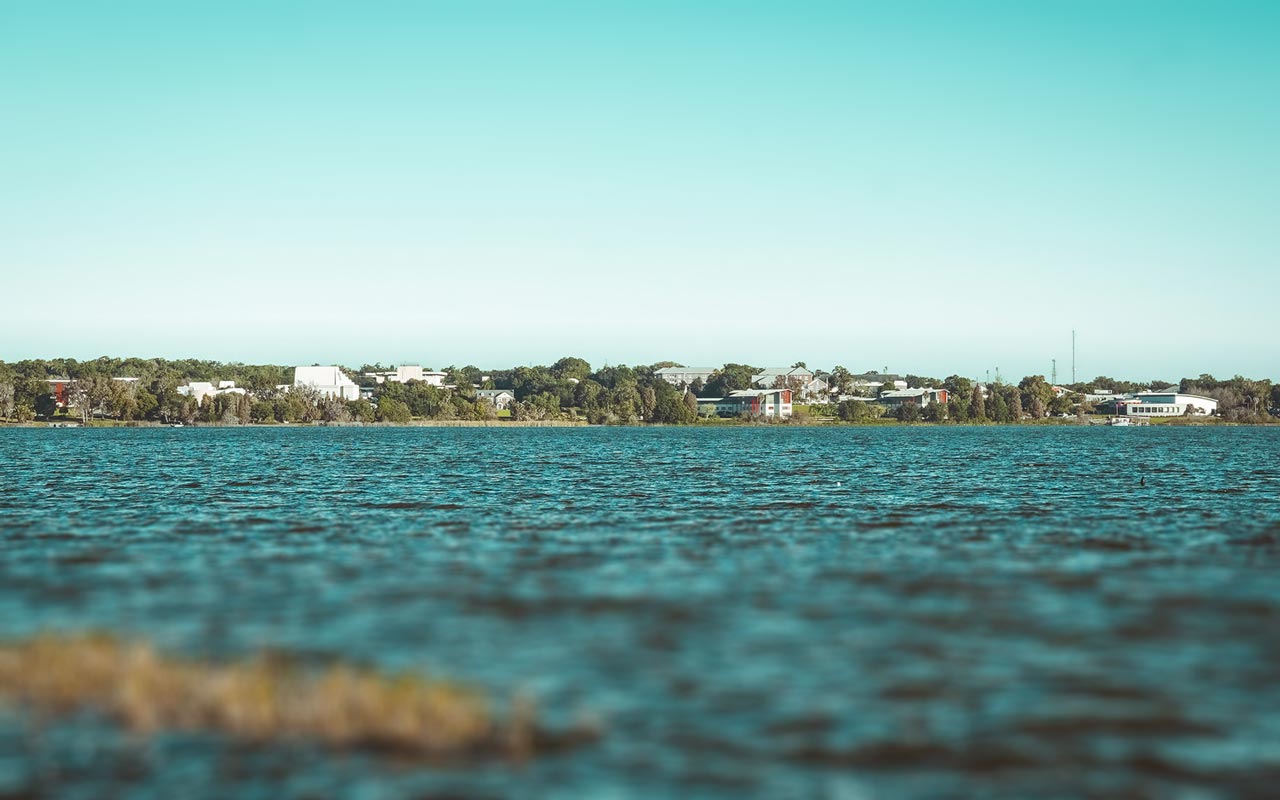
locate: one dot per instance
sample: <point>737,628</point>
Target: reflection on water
<point>754,611</point>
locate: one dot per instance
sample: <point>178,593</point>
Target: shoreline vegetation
<point>270,697</point>
<point>807,422</point>
<point>152,392</point>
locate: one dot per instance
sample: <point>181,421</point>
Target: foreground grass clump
<point>262,699</point>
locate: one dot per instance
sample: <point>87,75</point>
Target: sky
<point>932,187</point>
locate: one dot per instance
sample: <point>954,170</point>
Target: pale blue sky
<point>936,187</point>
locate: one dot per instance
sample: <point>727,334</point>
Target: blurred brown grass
<point>261,699</point>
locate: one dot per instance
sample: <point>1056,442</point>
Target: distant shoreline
<point>1176,422</point>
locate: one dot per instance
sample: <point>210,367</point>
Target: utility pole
<point>1073,355</point>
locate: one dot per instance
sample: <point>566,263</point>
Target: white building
<point>404,374</point>
<point>779,377</point>
<point>683,376</point>
<point>329,381</point>
<point>202,389</point>
<point>1166,404</point>
<point>873,383</point>
<point>1101,396</point>
<point>499,398</point>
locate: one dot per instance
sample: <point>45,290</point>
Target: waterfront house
<point>816,389</point>
<point>58,389</point>
<point>1166,404</point>
<point>917,397</point>
<point>767,403</point>
<point>500,399</point>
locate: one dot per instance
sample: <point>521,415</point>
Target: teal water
<point>770,612</point>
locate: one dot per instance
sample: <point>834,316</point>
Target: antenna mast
<point>1073,355</point>
<point>1054,379</point>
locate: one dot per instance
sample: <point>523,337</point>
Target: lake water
<point>758,611</point>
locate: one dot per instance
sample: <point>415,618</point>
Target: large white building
<point>683,376</point>
<point>404,374</point>
<point>329,381</point>
<point>1165,404</point>
<point>202,389</point>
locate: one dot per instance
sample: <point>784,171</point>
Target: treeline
<point>1032,398</point>
<point>1239,399</point>
<point>567,389</point>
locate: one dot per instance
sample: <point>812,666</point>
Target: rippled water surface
<point>773,612</point>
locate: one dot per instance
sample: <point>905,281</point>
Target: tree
<point>999,406</point>
<point>1013,400</point>
<point>691,407</point>
<point>86,395</point>
<point>977,405</point>
<point>264,412</point>
<point>921,382</point>
<point>959,394</point>
<point>571,367</point>
<point>707,410</point>
<point>1064,403</point>
<point>908,412</point>
<point>841,381</point>
<point>1035,394</point>
<point>7,403</point>
<point>730,378</point>
<point>649,401</point>
<point>334,409</point>
<point>855,411</point>
<point>121,399</point>
<point>391,410</point>
<point>624,399</point>
<point>669,405</point>
<point>935,412</point>
<point>587,394</point>
<point>208,409</point>
<point>147,404</point>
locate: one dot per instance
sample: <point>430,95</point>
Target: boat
<point>1120,421</point>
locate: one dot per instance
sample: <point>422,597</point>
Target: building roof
<point>773,372</point>
<point>683,370</point>
<point>493,392</point>
<point>883,377</point>
<point>1171,393</point>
